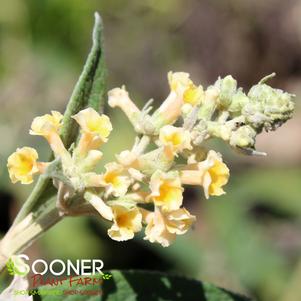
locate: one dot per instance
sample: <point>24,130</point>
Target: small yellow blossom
<point>127,221</point>
<point>93,123</point>
<point>22,165</point>
<point>194,95</point>
<point>114,180</point>
<point>46,124</point>
<point>176,138</point>
<point>95,129</point>
<point>170,109</point>
<point>211,173</point>
<point>166,190</point>
<point>163,227</point>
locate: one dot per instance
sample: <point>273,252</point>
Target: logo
<point>85,267</point>
<point>16,265</point>
<point>74,275</point>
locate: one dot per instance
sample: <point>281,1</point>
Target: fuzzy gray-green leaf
<point>89,89</point>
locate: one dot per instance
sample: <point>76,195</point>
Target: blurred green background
<point>248,240</point>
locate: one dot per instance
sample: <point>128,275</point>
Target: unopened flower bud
<point>161,158</point>
<point>219,130</point>
<point>119,97</point>
<point>243,137</point>
<point>209,104</point>
<point>268,107</point>
<point>103,209</point>
<point>90,161</point>
<point>127,158</point>
<point>239,100</point>
<point>227,87</point>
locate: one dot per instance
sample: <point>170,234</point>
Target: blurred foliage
<point>248,240</point>
<point>135,285</point>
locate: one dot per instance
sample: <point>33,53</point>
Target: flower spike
<point>144,186</point>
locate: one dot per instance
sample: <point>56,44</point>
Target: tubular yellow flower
<point>48,126</point>
<point>163,227</point>
<point>176,138</point>
<point>211,173</point>
<point>170,109</point>
<point>93,123</point>
<point>114,180</point>
<point>127,221</point>
<point>166,190</point>
<point>22,165</point>
<point>95,129</point>
<point>119,97</point>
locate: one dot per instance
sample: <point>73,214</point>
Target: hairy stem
<point>23,234</point>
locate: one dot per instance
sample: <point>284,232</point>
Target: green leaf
<point>90,88</point>
<point>88,92</point>
<point>145,286</point>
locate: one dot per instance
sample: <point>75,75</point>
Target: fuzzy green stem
<point>41,186</point>
<point>23,234</point>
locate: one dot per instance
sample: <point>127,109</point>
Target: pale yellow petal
<point>92,122</point>
<point>127,221</point>
<point>22,165</point>
<point>177,138</point>
<point>166,190</point>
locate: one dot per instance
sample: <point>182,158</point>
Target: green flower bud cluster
<point>238,117</point>
<point>268,108</point>
<point>263,107</point>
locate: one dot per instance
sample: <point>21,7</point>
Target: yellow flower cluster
<point>144,186</point>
